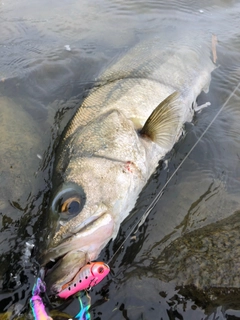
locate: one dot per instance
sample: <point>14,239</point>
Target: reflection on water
<point>193,229</point>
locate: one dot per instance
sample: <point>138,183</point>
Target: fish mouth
<point>62,262</point>
<point>63,270</point>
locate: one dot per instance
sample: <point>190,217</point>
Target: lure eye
<point>71,205</point>
<point>100,270</point>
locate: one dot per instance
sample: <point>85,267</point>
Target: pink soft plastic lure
<point>87,277</point>
<point>36,303</point>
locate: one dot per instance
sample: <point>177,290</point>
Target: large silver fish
<point>114,143</point>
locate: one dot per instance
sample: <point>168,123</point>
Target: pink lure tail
<point>38,309</point>
<point>36,303</point>
<point>87,277</point>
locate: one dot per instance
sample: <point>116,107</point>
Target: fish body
<point>114,143</point>
<point>88,276</point>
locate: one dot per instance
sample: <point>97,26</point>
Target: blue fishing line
<point>38,308</point>
<point>85,304</point>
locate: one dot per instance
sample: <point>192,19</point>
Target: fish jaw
<point>76,252</point>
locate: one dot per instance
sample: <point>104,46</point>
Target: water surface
<point>51,54</point>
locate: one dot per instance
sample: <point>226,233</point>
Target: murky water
<point>51,53</point>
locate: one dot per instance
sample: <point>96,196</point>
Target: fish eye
<point>71,205</point>
<point>68,202</point>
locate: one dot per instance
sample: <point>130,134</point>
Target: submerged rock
<point>204,263</point>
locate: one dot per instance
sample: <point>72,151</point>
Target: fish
<point>127,123</point>
<point>87,277</point>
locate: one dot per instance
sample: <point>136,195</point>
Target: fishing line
<point>159,194</point>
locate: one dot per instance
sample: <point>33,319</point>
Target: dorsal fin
<point>163,124</point>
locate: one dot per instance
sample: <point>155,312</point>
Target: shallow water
<point>51,53</point>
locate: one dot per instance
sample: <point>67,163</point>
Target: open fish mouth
<point>61,263</point>
<point>63,270</point>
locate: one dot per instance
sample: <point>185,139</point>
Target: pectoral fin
<point>163,124</point>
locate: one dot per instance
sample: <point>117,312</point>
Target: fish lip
<point>93,238</point>
<point>53,285</point>
<point>68,230</point>
<point>60,250</point>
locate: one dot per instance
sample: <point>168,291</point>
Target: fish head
<point>95,190</point>
<point>82,231</point>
